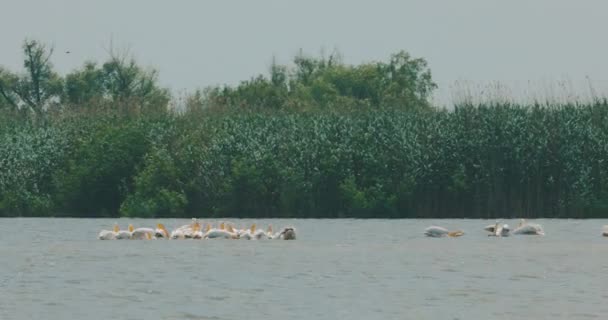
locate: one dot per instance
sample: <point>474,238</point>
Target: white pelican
<point>491,228</point>
<point>269,232</point>
<point>161,231</point>
<point>125,234</point>
<point>143,234</point>
<point>219,233</point>
<point>438,232</point>
<point>260,234</point>
<point>528,228</point>
<point>109,234</point>
<point>605,231</point>
<point>233,233</point>
<point>498,230</point>
<point>246,233</point>
<point>186,231</point>
<point>196,231</point>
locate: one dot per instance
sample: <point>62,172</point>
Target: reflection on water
<point>360,269</point>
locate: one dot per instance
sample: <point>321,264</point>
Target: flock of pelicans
<point>497,230</point>
<point>194,230</point>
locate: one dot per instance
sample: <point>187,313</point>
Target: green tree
<point>127,82</point>
<point>119,82</point>
<point>38,87</point>
<point>84,86</point>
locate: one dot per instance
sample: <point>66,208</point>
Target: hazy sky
<point>200,43</point>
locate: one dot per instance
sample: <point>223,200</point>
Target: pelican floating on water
<point>438,232</point>
<point>288,233</point>
<point>143,234</point>
<point>498,230</point>
<point>125,234</point>
<point>161,231</point>
<point>109,234</point>
<point>187,231</point>
<point>220,233</point>
<point>526,228</point>
<point>605,231</point>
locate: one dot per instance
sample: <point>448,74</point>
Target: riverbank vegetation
<point>316,139</point>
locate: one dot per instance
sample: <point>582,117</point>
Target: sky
<point>526,45</point>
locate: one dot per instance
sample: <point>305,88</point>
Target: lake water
<point>336,269</point>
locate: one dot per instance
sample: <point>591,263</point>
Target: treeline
<point>318,139</point>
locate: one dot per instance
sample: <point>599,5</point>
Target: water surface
<point>357,269</point>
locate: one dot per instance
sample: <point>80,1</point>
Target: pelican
<point>288,233</point>
<point>491,228</point>
<point>109,234</point>
<point>269,232</point>
<point>498,230</point>
<point>605,231</point>
<point>529,228</point>
<point>233,233</point>
<point>125,234</point>
<point>143,234</point>
<point>196,231</point>
<point>248,233</point>
<point>161,231</point>
<point>260,234</point>
<point>438,232</point>
<point>219,233</point>
<point>186,231</point>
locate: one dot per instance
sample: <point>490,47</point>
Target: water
<point>356,269</point>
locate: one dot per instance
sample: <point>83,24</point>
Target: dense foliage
<point>317,139</point>
<point>482,161</point>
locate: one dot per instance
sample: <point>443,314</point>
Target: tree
<point>126,82</point>
<point>8,81</point>
<point>119,82</point>
<point>406,81</point>
<point>84,86</point>
<point>38,86</point>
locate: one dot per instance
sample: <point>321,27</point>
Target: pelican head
<point>163,231</point>
<point>116,227</point>
<point>456,233</point>
<point>131,228</point>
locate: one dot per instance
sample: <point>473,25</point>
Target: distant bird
<point>438,232</point>
<point>67,52</point>
<point>109,234</point>
<point>498,230</point>
<point>529,228</point>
